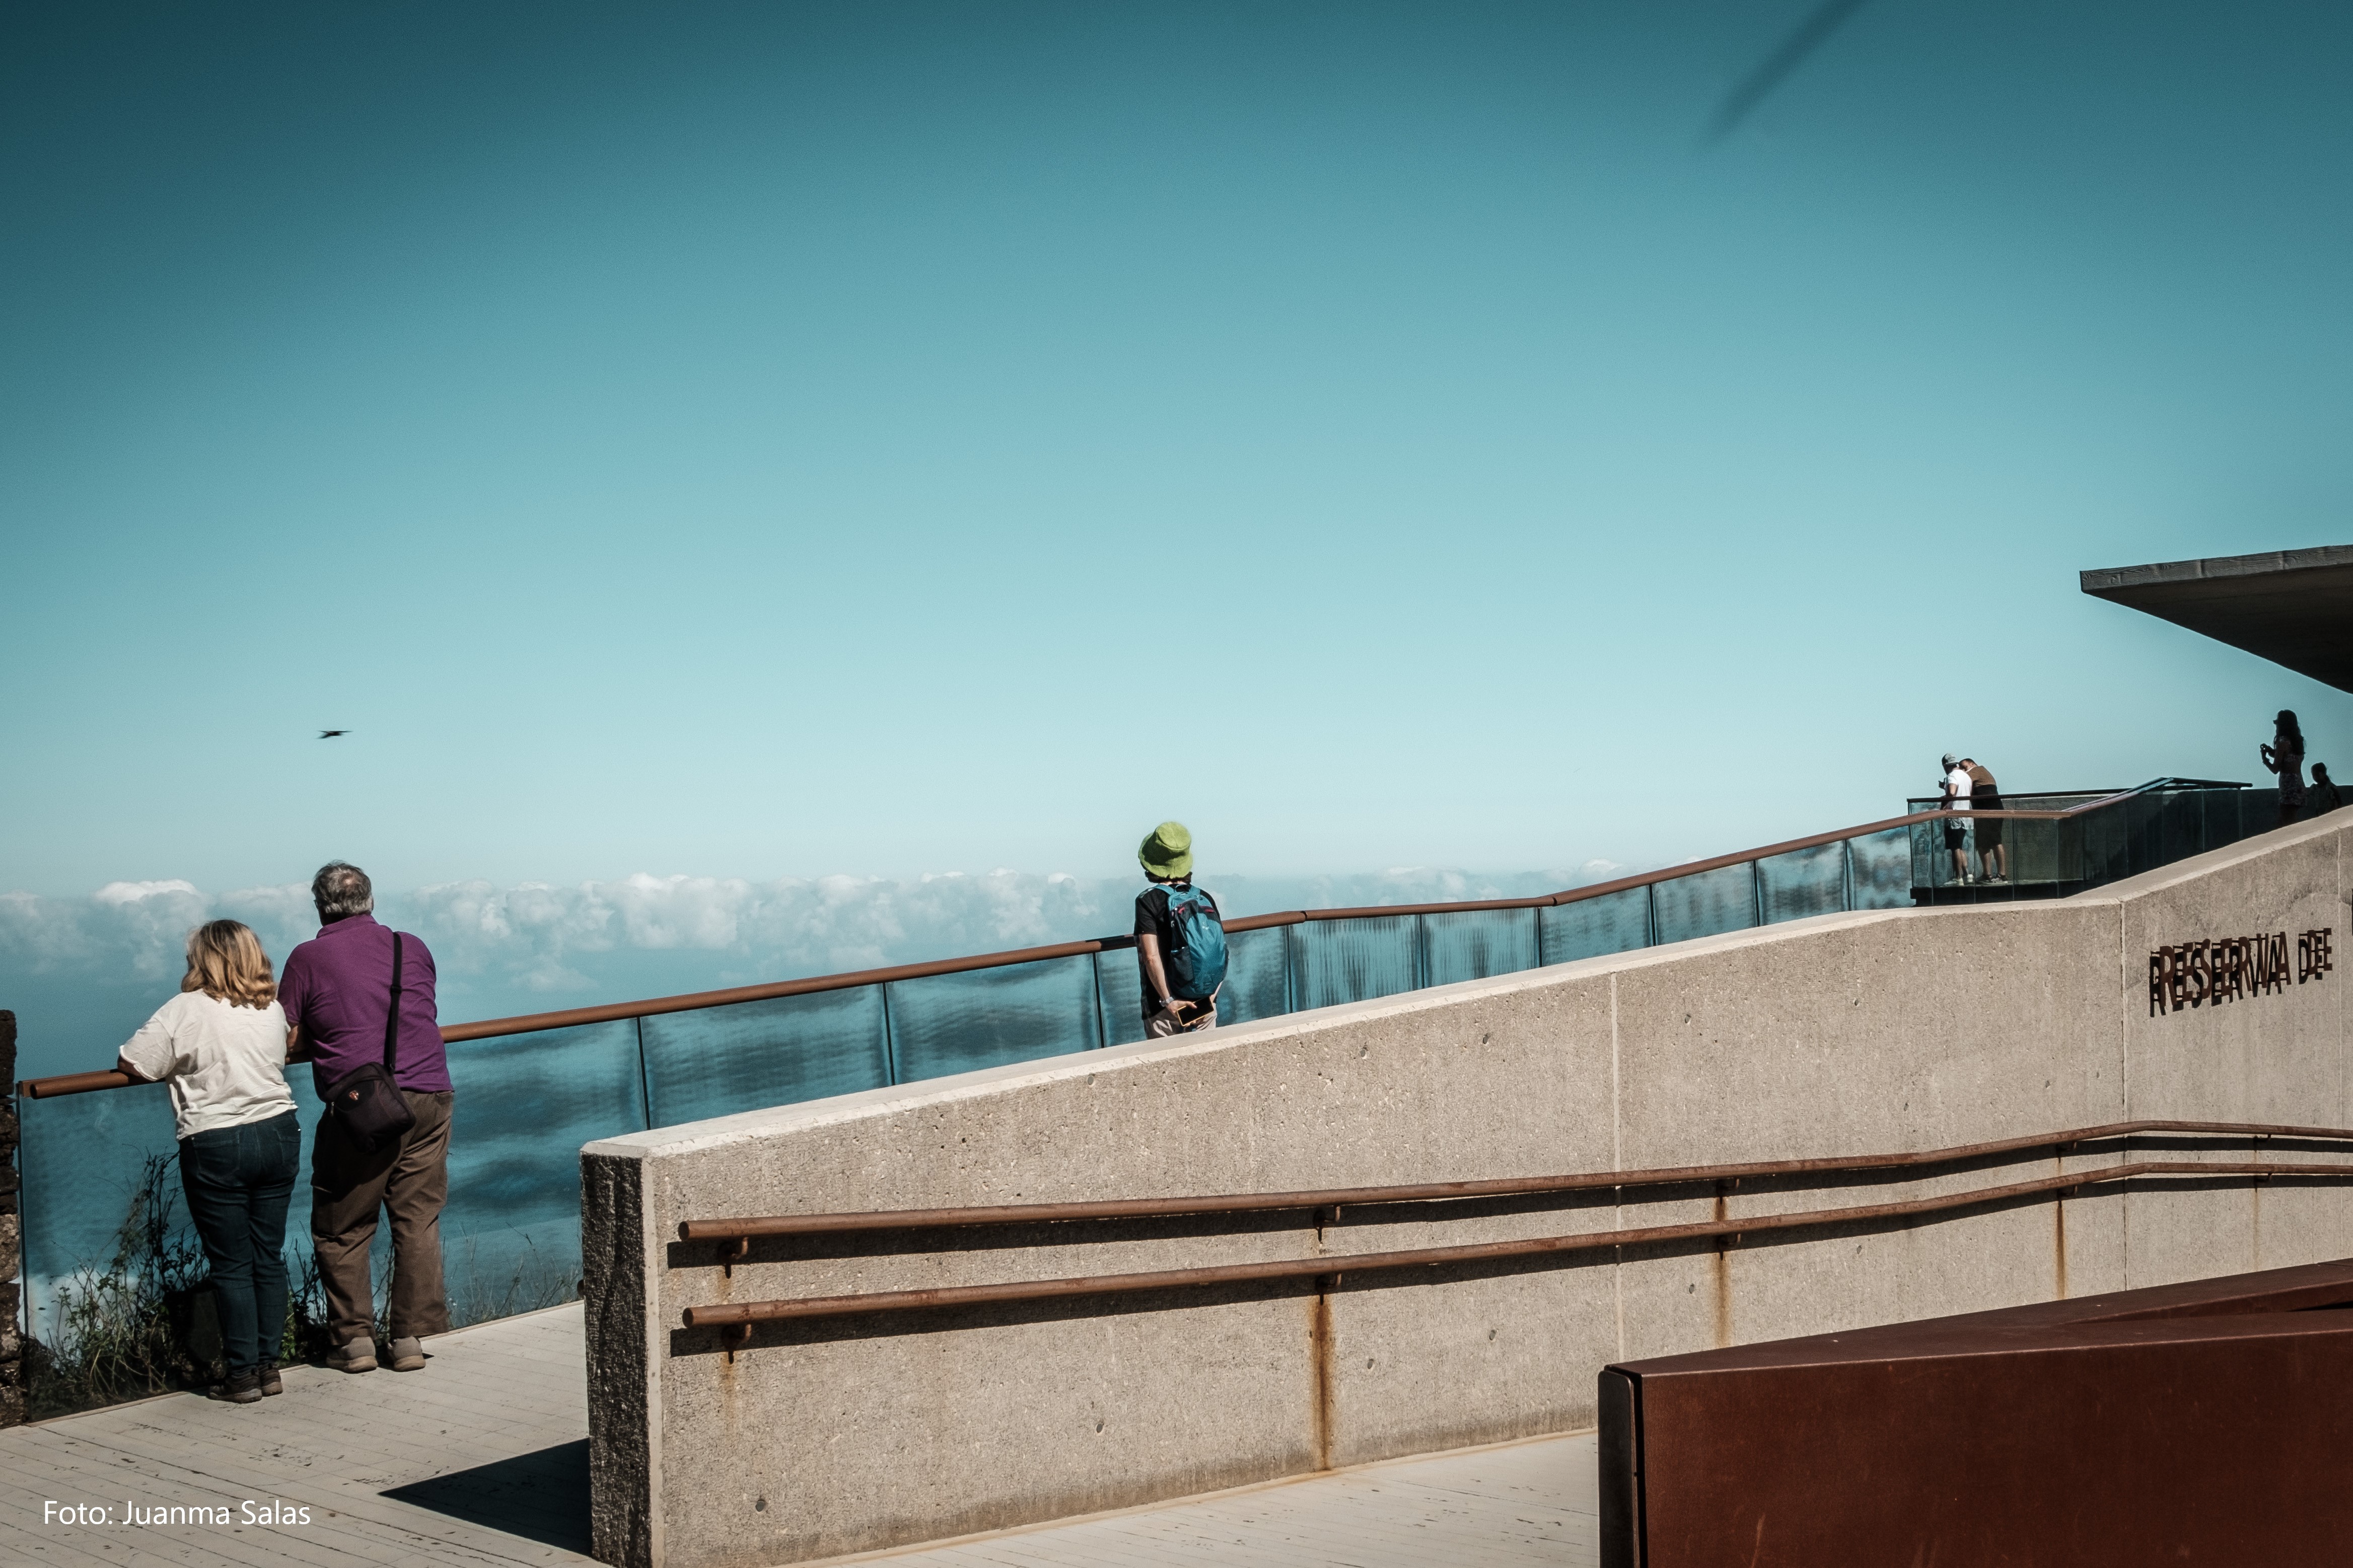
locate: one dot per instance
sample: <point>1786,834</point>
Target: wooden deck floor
<point>481,1460</point>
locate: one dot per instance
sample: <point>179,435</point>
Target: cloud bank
<point>83,972</point>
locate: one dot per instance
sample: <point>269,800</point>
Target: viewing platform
<point>481,1461</point>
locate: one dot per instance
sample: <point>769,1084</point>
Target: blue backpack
<point>1196,959</point>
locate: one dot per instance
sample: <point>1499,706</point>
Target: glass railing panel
<point>2220,810</point>
<point>2147,813</point>
<point>1930,866</point>
<point>1804,883</point>
<point>1353,960</point>
<point>715,1061</point>
<point>2030,856</point>
<point>81,1162</point>
<point>1590,928</point>
<point>946,1024</point>
<point>1477,943</point>
<point>525,1104</point>
<point>1258,974</point>
<point>1120,985</point>
<point>1880,870</point>
<point>2180,826</point>
<point>1707,903</point>
<point>2102,842</point>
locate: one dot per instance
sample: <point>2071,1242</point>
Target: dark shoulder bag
<point>366,1101</point>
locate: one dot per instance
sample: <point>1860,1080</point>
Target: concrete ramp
<point>1836,1037</point>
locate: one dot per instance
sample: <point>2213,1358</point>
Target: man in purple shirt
<point>337,991</point>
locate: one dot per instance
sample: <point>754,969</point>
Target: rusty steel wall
<point>2202,1424</point>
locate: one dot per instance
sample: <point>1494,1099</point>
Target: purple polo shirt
<point>335,989</point>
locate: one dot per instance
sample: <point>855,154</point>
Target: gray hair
<point>340,889</point>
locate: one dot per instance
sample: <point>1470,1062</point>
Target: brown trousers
<point>409,1180</point>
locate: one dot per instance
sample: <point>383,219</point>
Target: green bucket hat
<point>1167,853</point>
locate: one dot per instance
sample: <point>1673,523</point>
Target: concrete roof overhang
<point>2294,608</point>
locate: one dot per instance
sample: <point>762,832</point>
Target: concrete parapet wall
<point>1850,1034</point>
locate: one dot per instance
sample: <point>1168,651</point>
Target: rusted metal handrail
<point>742,1314</point>
<point>1436,1191</point>
<point>613,1011</point>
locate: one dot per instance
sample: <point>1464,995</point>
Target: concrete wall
<point>1846,1034</point>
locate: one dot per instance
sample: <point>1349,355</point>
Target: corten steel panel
<point>2199,1423</point>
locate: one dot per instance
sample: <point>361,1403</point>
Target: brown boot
<point>353,1356</point>
<point>407,1355</point>
<point>270,1382</point>
<point>245,1388</point>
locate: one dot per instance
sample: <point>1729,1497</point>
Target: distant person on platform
<point>1180,938</point>
<point>1957,785</point>
<point>2323,795</point>
<point>2284,756</point>
<point>1993,856</point>
<point>348,1011</point>
<point>220,1045</point>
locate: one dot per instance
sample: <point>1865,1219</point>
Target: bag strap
<point>392,1015</point>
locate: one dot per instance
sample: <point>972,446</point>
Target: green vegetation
<point>144,1324</point>
<point>530,1282</point>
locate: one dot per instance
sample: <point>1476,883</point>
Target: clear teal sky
<point>760,440</point>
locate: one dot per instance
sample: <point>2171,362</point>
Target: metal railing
<point>733,1237</point>
<point>534,1089</point>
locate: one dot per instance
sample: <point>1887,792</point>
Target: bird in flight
<point>330,734</point>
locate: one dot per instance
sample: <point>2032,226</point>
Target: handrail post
<point>645,1075</point>
<point>1102,1014</point>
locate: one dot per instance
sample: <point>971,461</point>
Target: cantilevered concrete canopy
<point>2292,607</point>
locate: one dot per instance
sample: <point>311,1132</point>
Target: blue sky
<point>771,442</point>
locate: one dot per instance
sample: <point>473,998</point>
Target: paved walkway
<point>481,1460</point>
<point>1510,1507</point>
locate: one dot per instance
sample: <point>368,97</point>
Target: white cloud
<point>95,965</point>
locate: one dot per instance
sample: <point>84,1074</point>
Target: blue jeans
<point>238,1181</point>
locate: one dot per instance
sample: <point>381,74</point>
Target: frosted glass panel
<point>715,1061</point>
<point>1881,863</point>
<point>1258,974</point>
<point>1804,883</point>
<point>1475,945</point>
<point>1353,960</point>
<point>525,1104</point>
<point>958,1023</point>
<point>1706,903</point>
<point>1590,928</point>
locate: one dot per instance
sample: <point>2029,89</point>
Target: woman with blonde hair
<point>220,1045</point>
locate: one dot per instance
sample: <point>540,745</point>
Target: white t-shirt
<point>226,1064</point>
<point>1956,785</point>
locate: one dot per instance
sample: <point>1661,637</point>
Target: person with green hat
<point>1180,938</point>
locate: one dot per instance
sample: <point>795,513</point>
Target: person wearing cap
<point>1958,784</point>
<point>1167,856</point>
